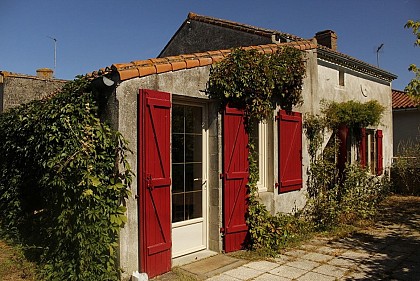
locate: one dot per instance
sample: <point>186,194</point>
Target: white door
<point>189,190</point>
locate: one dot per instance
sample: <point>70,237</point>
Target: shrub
<point>406,169</point>
<point>60,188</point>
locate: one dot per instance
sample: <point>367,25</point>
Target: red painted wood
<point>154,182</point>
<point>362,148</point>
<point>379,149</point>
<point>235,179</point>
<point>290,150</point>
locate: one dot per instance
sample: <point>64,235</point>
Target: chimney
<point>327,38</point>
<point>45,73</point>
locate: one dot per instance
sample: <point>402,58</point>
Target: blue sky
<point>92,34</point>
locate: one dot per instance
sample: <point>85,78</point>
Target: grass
<point>13,265</point>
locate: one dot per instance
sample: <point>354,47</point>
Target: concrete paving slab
<point>312,276</point>
<point>244,273</point>
<point>317,257</point>
<point>288,271</point>
<point>295,253</point>
<point>262,265</point>
<point>331,270</point>
<point>271,277</point>
<point>303,264</point>
<point>327,250</point>
<point>213,266</point>
<point>342,262</point>
<point>223,277</point>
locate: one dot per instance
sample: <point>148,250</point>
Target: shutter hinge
<point>222,230</point>
<point>221,176</point>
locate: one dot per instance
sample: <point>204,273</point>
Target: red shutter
<point>235,179</point>
<point>379,160</point>
<point>343,132</point>
<point>290,151</point>
<point>154,182</point>
<point>362,147</point>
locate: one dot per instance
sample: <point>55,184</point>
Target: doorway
<point>189,179</point>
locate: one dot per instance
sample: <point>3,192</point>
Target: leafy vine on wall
<point>61,190</point>
<point>258,83</point>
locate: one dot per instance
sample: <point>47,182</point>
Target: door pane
<point>187,166</point>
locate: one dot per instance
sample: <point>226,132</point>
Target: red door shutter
<point>379,160</point>
<point>235,179</point>
<point>343,132</point>
<point>154,182</point>
<point>362,148</point>
<point>290,151</point>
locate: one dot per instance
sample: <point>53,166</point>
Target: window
<point>371,151</point>
<point>260,138</point>
<point>341,77</point>
<point>187,163</point>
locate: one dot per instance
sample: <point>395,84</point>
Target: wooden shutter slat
<point>290,151</point>
<point>235,179</point>
<point>154,182</point>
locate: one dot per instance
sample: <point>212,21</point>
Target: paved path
<point>388,251</point>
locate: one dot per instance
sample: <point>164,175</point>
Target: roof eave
<point>355,64</point>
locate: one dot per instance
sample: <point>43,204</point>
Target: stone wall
<point>16,89</point>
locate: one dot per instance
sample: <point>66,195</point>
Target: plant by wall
<point>350,196</point>
<point>60,188</point>
<point>353,114</point>
<point>256,82</point>
<point>406,168</point>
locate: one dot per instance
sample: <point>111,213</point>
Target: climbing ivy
<point>257,83</point>
<point>61,189</point>
<point>353,114</point>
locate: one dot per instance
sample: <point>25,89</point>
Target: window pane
<point>178,178</point>
<point>193,148</point>
<point>193,120</point>
<point>178,207</point>
<point>177,148</point>
<point>177,119</point>
<point>193,205</point>
<point>193,176</point>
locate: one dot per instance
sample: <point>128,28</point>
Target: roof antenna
<point>377,53</point>
<point>55,51</point>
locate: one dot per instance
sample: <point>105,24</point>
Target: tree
<point>413,88</point>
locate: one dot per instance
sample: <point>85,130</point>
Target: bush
<point>406,169</point>
<point>60,187</point>
<point>346,200</point>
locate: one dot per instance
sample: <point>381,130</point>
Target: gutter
<point>355,64</point>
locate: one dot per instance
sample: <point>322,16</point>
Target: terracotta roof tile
<point>401,100</point>
<point>164,67</point>
<point>192,63</point>
<point>143,68</point>
<point>177,65</point>
<point>146,70</point>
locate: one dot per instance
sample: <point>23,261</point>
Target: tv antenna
<point>55,51</point>
<point>377,53</point>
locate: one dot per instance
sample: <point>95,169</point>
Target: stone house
<point>188,198</point>
<point>406,120</point>
<point>16,89</point>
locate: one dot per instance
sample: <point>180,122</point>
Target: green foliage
<point>60,188</point>
<point>257,82</point>
<point>353,114</point>
<point>314,127</point>
<point>413,87</point>
<point>406,168</point>
<point>346,200</point>
<point>268,233</point>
